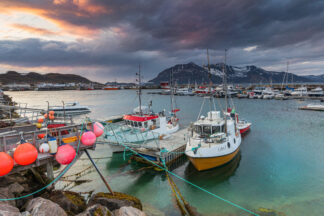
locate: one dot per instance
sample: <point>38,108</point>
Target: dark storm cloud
<point>161,33</point>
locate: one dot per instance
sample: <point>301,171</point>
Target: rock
<point>96,210</point>
<point>5,194</point>
<point>73,203</point>
<point>43,207</point>
<point>16,188</point>
<point>8,210</point>
<point>128,211</point>
<point>115,202</point>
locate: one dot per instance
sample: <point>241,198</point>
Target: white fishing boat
<point>268,93</point>
<point>301,91</point>
<point>72,108</point>
<point>184,92</point>
<point>214,140</point>
<point>280,97</point>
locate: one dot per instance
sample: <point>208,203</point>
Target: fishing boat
<point>72,108</point>
<point>144,124</point>
<point>185,91</point>
<point>214,140</point>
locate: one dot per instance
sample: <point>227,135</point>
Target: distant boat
<point>317,92</point>
<point>314,107</point>
<point>301,91</point>
<point>73,108</point>
<point>111,87</point>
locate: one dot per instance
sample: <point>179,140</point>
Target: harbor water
<point>280,165</point>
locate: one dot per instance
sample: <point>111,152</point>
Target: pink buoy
<point>88,138</point>
<point>65,154</point>
<point>98,129</point>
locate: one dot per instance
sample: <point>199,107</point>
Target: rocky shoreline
<point>57,202</point>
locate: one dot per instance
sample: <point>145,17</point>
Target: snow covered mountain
<point>191,73</point>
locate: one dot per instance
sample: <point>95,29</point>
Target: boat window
<point>154,121</point>
<point>132,123</point>
<point>223,128</point>
<point>198,129</point>
<point>135,124</point>
<point>216,129</point>
<point>207,129</point>
<point>145,124</point>
<point>139,124</point>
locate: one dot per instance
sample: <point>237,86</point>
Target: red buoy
<point>6,163</point>
<point>40,120</point>
<point>41,136</point>
<point>88,138</point>
<point>25,154</point>
<point>65,154</point>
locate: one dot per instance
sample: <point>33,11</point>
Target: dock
<point>9,142</point>
<point>169,149</point>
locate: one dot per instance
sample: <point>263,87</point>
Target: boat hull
<point>244,130</point>
<point>111,88</point>
<point>211,162</point>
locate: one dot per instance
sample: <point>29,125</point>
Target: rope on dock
<point>55,180</point>
<point>192,184</point>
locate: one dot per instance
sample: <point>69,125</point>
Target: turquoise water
<point>280,165</point>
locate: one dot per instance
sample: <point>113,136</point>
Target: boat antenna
<point>225,86</point>
<point>139,89</point>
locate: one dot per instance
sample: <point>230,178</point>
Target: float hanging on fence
<point>39,125</point>
<point>98,129</point>
<point>65,154</point>
<point>25,154</point>
<point>40,120</point>
<point>6,163</point>
<point>88,138</point>
<point>40,136</point>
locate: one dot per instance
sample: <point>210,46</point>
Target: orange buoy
<point>51,117</point>
<point>40,120</point>
<point>88,138</point>
<point>25,154</point>
<point>45,115</point>
<point>6,163</point>
<point>65,154</point>
<point>51,112</point>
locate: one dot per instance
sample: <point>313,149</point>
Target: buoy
<point>6,163</point>
<point>44,148</point>
<point>39,125</point>
<point>40,120</point>
<point>40,136</point>
<point>51,112</point>
<point>88,138</point>
<point>51,117</point>
<point>25,154</point>
<point>98,129</point>
<point>45,115</point>
<point>65,154</point>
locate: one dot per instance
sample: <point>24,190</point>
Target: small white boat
<point>73,108</point>
<point>301,91</point>
<point>317,92</point>
<point>314,107</point>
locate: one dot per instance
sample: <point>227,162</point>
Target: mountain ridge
<point>191,72</point>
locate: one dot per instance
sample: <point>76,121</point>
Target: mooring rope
<point>194,185</point>
<point>52,182</point>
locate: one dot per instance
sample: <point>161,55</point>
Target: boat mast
<point>139,89</point>
<point>225,86</point>
<point>171,90</point>
<point>209,86</point>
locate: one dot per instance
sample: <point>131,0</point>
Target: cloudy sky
<point>105,40</point>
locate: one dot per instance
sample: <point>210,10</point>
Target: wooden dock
<point>170,149</point>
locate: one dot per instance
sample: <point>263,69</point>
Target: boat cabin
<point>144,121</point>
